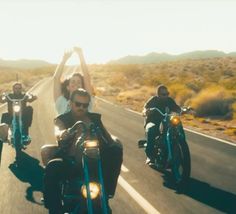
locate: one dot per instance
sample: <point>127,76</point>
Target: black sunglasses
<point>79,104</point>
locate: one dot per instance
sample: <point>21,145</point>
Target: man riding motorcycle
<point>27,111</point>
<point>61,168</point>
<point>153,120</point>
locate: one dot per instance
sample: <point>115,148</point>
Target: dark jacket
<point>69,120</point>
<point>160,103</point>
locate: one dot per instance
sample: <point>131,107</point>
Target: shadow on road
<point>205,193</point>
<point>31,172</point>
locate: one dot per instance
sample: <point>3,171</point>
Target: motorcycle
<point>15,132</point>
<point>85,193</point>
<point>170,147</point>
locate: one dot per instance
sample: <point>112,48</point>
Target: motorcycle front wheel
<point>17,145</point>
<point>181,166</point>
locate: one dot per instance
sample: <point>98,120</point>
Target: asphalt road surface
<point>141,189</point>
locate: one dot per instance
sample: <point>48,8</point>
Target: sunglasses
<point>79,104</point>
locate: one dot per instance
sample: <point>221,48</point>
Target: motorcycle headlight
<point>175,120</point>
<point>94,189</point>
<point>16,108</point>
<point>91,144</point>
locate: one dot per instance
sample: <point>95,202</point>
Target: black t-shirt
<point>161,103</point>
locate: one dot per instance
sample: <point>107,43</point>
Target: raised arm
<point>57,75</point>
<point>84,68</point>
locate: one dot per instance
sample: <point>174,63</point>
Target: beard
<point>81,113</point>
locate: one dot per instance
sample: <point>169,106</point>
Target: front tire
<point>17,145</point>
<point>181,166</point>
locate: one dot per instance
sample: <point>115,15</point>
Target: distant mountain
<point>162,57</point>
<point>23,63</point>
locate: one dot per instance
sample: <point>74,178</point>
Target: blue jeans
<point>152,131</point>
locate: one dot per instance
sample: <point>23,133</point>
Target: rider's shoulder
<point>151,99</point>
<point>63,116</point>
<point>95,116</point>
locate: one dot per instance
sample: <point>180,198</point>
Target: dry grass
<point>26,76</point>
<point>213,101</point>
<point>207,84</point>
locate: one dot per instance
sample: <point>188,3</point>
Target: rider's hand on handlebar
<point>30,97</point>
<point>64,139</point>
<point>3,97</point>
<point>64,135</point>
<point>34,97</point>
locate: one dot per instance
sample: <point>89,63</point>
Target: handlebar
<point>184,110</point>
<point>157,109</point>
<point>74,128</point>
<point>7,97</point>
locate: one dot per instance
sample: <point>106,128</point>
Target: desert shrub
<point>213,102</point>
<point>229,73</point>
<point>195,85</point>
<point>228,83</point>
<point>181,93</point>
<point>118,79</point>
<point>136,98</point>
<point>8,76</point>
<point>234,110</point>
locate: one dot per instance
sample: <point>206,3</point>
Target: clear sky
<point>109,29</point>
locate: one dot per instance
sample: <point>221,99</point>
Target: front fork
<point>170,141</point>
<point>101,182</point>
<point>169,146</point>
<point>17,131</point>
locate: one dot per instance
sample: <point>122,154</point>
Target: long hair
<point>66,82</point>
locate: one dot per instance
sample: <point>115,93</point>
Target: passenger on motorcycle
<point>63,89</point>
<point>27,111</point>
<point>153,118</point>
<point>60,169</point>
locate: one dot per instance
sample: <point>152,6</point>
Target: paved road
<point>212,187</point>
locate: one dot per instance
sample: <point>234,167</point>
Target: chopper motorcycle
<point>85,192</point>
<point>171,150</point>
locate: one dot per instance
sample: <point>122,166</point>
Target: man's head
<point>162,91</point>
<point>79,102</point>
<point>17,88</point>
